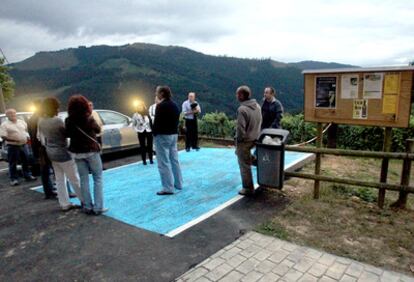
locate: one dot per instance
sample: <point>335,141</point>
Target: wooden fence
<point>403,188</point>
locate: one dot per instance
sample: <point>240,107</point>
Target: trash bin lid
<point>273,132</point>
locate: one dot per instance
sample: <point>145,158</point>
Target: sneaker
<point>246,192</point>
<point>187,149</point>
<point>164,193</point>
<point>151,162</point>
<point>70,207</point>
<point>101,211</point>
<point>197,149</point>
<point>87,211</point>
<point>14,182</point>
<point>31,178</point>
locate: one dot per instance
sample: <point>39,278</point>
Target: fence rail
<point>403,188</point>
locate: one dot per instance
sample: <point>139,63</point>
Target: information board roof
<point>353,70</point>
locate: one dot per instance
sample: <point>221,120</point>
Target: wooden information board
<point>360,96</point>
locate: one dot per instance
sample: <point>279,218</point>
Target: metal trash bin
<point>271,158</point>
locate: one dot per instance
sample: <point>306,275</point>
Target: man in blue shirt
<point>191,109</point>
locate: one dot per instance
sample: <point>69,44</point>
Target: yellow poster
<point>389,104</point>
<point>391,83</point>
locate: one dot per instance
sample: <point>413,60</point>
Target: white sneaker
<point>14,182</point>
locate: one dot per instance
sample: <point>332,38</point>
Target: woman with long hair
<point>142,125</point>
<point>82,129</point>
<point>52,135</point>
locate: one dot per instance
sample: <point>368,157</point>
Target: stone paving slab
<point>256,257</point>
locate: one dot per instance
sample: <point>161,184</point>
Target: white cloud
<point>355,32</point>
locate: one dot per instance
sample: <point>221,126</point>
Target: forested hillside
<point>113,76</point>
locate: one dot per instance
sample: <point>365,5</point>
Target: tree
<point>6,81</point>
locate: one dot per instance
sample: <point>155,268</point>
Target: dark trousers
<point>46,172</point>
<point>191,134</point>
<point>14,154</point>
<point>145,143</point>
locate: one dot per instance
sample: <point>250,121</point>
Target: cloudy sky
<point>360,32</point>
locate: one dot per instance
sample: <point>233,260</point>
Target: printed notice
<point>389,104</point>
<point>373,85</point>
<point>325,92</point>
<point>360,109</point>
<point>391,83</point>
<point>349,86</point>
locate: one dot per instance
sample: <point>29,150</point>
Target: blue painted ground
<point>211,178</point>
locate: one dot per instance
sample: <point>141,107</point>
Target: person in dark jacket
<point>272,109</point>
<point>82,129</point>
<point>41,160</point>
<point>165,131</point>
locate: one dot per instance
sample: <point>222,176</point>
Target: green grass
<point>346,220</point>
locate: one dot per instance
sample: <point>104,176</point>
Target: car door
<point>118,132</point>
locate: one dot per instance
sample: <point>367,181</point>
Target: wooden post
<point>401,203</point>
<point>332,135</point>
<point>384,165</point>
<point>2,104</point>
<point>318,161</point>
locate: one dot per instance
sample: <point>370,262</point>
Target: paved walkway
<point>256,257</point>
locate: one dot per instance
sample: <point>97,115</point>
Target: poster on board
<point>360,109</point>
<point>325,92</point>
<point>391,83</point>
<point>349,86</point>
<point>373,85</point>
<point>389,104</point>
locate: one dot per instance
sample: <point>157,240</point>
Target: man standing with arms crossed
<point>14,132</point>
<point>191,110</point>
<point>249,120</point>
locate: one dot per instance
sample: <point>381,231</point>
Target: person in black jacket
<point>165,131</point>
<point>41,160</point>
<point>272,109</point>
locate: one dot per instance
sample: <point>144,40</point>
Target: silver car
<point>118,131</point>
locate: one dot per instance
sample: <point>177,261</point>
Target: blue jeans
<point>168,165</point>
<point>14,154</point>
<point>93,164</point>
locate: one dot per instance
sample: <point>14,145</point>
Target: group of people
<point>143,120</point>
<point>162,121</point>
<point>49,136</point>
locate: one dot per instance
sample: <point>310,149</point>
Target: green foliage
<point>273,228</point>
<point>364,193</point>
<point>300,131</point>
<point>217,124</point>
<point>6,81</point>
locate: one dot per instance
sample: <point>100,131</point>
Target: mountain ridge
<point>112,75</point>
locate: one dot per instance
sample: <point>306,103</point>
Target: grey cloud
<point>102,18</point>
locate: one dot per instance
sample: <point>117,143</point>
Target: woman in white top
<point>142,124</point>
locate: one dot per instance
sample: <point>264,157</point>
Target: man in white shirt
<point>191,109</point>
<point>14,132</point>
